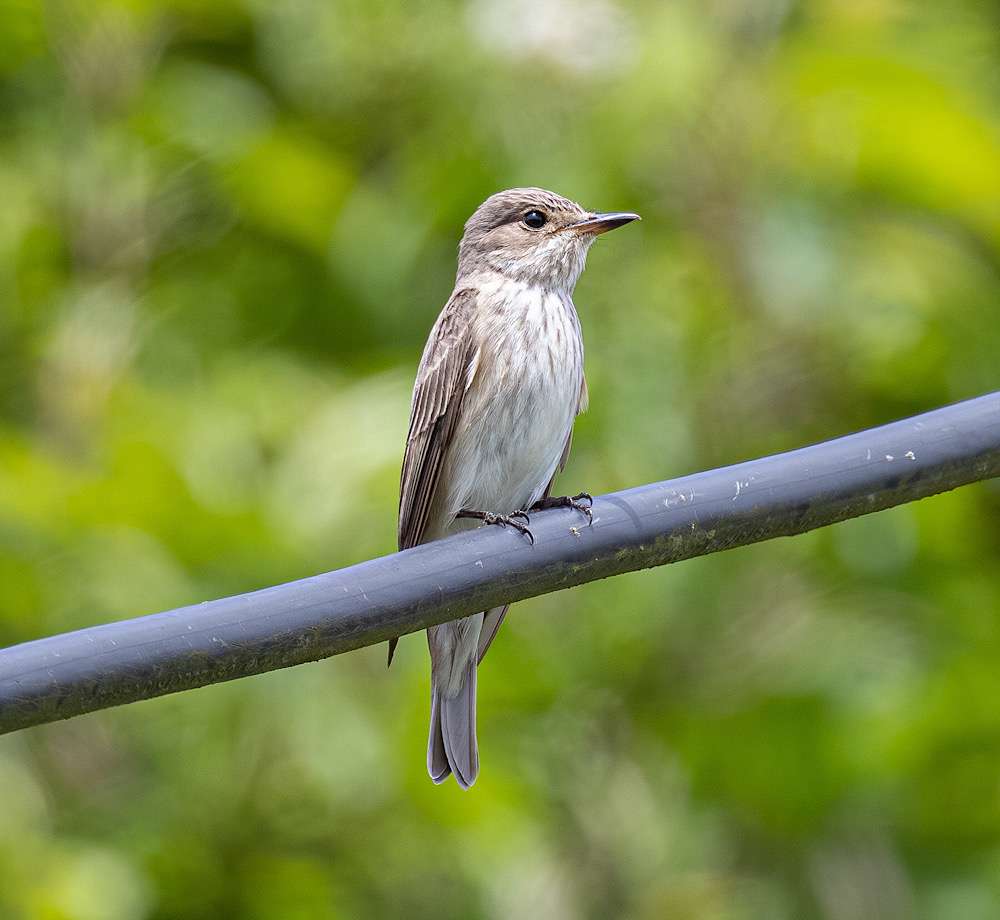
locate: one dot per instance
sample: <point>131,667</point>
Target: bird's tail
<point>452,746</point>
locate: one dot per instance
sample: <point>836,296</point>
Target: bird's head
<point>533,236</point>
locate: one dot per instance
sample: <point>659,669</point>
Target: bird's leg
<point>488,517</point>
<point>568,501</point>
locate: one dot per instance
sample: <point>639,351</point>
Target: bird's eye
<point>535,219</point>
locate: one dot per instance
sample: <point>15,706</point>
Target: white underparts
<point>523,392</point>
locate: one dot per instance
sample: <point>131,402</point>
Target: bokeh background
<point>225,230</point>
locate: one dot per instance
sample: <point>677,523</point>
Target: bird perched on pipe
<point>498,388</point>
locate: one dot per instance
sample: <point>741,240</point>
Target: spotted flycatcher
<point>498,388</point>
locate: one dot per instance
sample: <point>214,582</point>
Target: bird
<point>497,390</point>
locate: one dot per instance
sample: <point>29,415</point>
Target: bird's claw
<point>510,519</point>
<point>583,509</point>
<point>502,520</point>
<point>576,502</point>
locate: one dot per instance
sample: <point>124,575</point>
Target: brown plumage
<point>499,384</point>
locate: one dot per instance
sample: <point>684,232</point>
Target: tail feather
<point>453,733</point>
<point>437,758</point>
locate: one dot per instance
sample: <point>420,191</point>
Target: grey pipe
<point>102,666</point>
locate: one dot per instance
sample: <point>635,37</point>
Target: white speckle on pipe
<point>674,498</point>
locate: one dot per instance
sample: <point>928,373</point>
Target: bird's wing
<point>447,369</point>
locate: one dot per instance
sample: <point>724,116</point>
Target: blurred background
<point>225,231</point>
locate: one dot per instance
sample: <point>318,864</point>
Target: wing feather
<point>446,371</point>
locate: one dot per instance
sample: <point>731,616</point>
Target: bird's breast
<point>521,403</point>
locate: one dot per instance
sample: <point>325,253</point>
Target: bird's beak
<point>602,223</point>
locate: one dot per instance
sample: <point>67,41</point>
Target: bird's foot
<point>502,520</point>
<point>568,501</point>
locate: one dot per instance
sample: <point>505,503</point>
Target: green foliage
<point>225,231</point>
